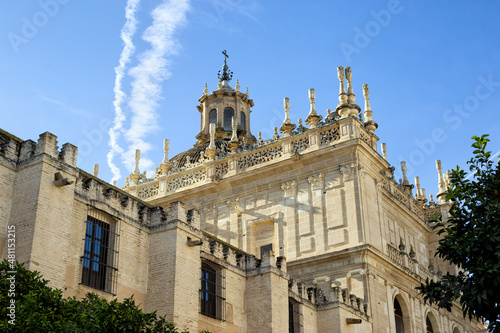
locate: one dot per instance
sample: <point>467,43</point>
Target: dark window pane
<point>228,117</point>
<point>243,121</point>
<point>212,118</point>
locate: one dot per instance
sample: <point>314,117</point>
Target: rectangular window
<point>100,254</point>
<point>295,319</point>
<point>212,291</point>
<point>265,248</point>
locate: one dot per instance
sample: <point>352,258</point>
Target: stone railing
<point>410,265</point>
<point>247,157</point>
<point>395,254</point>
<point>260,156</point>
<point>329,135</point>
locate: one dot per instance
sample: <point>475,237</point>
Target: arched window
<point>243,121</point>
<point>428,325</point>
<point>398,317</point>
<point>212,116</point>
<point>228,116</point>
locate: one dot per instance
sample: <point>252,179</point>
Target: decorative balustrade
<point>148,191</point>
<point>186,180</point>
<point>248,155</point>
<point>407,263</point>
<point>329,135</point>
<point>260,156</point>
<point>395,254</point>
<point>301,144</point>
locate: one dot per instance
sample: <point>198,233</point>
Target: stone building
<point>307,231</point>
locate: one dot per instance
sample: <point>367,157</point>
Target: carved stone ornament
<point>148,191</point>
<point>316,181</point>
<point>348,171</point>
<point>233,204</point>
<point>289,188</point>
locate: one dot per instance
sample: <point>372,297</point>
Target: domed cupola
<point>221,105</point>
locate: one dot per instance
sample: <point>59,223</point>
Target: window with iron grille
<point>100,254</point>
<point>294,317</point>
<point>212,291</point>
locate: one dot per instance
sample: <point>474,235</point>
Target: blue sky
<point>432,67</point>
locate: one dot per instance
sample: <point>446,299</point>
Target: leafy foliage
<point>471,240</point>
<point>40,308</point>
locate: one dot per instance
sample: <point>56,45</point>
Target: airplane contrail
<point>127,34</point>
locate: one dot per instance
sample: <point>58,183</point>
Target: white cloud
<point>148,75</point>
<point>127,34</point>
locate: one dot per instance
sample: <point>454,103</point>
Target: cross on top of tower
<point>226,75</point>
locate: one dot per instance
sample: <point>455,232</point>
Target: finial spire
<point>441,184</point>
<point>212,136</point>
<point>211,151</point>
<point>384,150</point>
<point>369,123</point>
<point>234,125</point>
<point>166,146</point>
<point>417,185</point>
<point>234,144</point>
<point>135,176</point>
<point>447,179</point>
<point>226,75</point>
<point>287,127</point>
<point>403,169</point>
<point>342,93</point>
<point>350,94</point>
<point>205,91</point>
<point>312,118</point>
<point>137,158</point>
<point>342,108</point>
<point>237,85</point>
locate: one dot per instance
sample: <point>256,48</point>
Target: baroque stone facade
<point>307,231</point>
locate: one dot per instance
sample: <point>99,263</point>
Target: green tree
<point>471,240</point>
<point>40,308</point>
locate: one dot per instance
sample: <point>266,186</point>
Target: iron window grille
<point>213,291</point>
<point>100,254</point>
<point>294,317</point>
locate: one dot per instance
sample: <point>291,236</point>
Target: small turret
<point>220,106</point>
